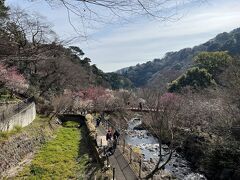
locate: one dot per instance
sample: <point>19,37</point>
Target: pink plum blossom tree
<point>11,79</point>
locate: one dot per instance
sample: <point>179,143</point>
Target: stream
<point>178,166</point>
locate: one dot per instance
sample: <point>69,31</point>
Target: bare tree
<point>125,96</point>
<point>28,33</point>
<point>210,112</point>
<point>163,122</point>
<point>149,95</point>
<point>232,78</point>
<point>93,12</point>
<point>32,28</point>
<point>107,102</point>
<point>61,103</point>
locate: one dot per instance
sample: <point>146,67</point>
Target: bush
<point>213,62</point>
<point>4,91</point>
<point>45,109</point>
<point>194,77</point>
<point>17,128</point>
<point>36,170</point>
<point>4,135</point>
<point>222,157</point>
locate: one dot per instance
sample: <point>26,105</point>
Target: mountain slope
<point>161,71</point>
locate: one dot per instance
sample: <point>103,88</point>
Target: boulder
<point>148,134</point>
<point>182,165</point>
<point>164,175</point>
<point>151,160</point>
<point>139,127</point>
<point>175,165</point>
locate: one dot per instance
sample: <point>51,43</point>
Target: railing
<point>133,158</point>
<point>134,109</point>
<point>5,114</point>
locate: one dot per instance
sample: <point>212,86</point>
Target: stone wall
<point>17,148</point>
<point>23,118</point>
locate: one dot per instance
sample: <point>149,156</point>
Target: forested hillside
<point>159,72</point>
<point>30,47</point>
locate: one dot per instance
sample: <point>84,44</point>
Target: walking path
<point>122,169</point>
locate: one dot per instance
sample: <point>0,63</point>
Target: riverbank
<point>218,159</point>
<point>177,168</point>
<point>215,157</point>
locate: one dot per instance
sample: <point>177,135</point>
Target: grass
<point>4,97</point>
<point>7,97</point>
<point>65,157</point>
<point>4,135</point>
<point>38,126</point>
<point>70,124</point>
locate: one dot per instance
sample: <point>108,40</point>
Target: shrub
<point>45,109</point>
<point>137,150</point>
<point>4,135</point>
<point>194,77</point>
<point>213,62</point>
<point>17,128</point>
<point>225,156</point>
<point>36,170</point>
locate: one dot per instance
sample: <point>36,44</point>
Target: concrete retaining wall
<point>23,118</point>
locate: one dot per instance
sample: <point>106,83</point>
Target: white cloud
<point>141,42</point>
<point>115,46</point>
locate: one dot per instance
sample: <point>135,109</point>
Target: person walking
<point>109,135</point>
<point>140,106</point>
<point>98,121</point>
<point>110,148</point>
<point>116,135</point>
<point>109,139</point>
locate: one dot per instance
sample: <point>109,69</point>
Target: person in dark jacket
<point>109,135</point>
<point>116,135</point>
<point>140,106</point>
<point>110,148</point>
<point>98,120</point>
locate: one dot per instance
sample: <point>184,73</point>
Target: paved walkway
<point>122,169</point>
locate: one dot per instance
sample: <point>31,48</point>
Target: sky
<point>119,44</point>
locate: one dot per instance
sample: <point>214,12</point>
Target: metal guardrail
<point>5,114</point>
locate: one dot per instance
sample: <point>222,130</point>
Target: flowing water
<point>149,146</point>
